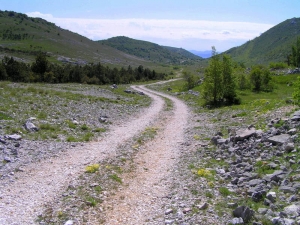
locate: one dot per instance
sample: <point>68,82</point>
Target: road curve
<point>23,200</point>
<point>142,198</point>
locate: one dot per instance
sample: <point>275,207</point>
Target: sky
<point>189,24</point>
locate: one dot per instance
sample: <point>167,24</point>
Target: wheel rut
<point>141,201</point>
<point>24,199</point>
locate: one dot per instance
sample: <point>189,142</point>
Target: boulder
<point>271,196</point>
<point>296,116</point>
<point>256,182</point>
<point>69,222</point>
<point>243,212</point>
<point>292,131</point>
<point>103,119</point>
<point>257,196</point>
<point>236,221</point>
<point>279,139</point>
<point>14,137</point>
<point>262,210</point>
<point>243,134</point>
<point>292,210</point>
<point>276,176</point>
<point>282,221</point>
<point>289,147</point>
<point>29,126</point>
<point>287,189</point>
<point>128,91</point>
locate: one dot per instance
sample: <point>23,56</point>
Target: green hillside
<point>150,51</point>
<point>272,46</point>
<point>22,37</point>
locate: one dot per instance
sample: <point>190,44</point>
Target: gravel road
<point>24,199</point>
<point>147,187</point>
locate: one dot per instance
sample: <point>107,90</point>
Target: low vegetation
<point>63,112</point>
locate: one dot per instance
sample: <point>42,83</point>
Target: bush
<point>260,79</point>
<point>204,173</point>
<point>92,168</point>
<point>278,65</point>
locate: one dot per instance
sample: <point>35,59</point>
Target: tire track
<point>142,200</point>
<point>23,200</point>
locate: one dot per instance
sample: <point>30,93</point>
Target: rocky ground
<point>228,171</point>
<point>43,122</point>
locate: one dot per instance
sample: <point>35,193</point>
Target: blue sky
<point>190,24</point>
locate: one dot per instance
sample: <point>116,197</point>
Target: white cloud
<point>40,15</point>
<point>167,31</point>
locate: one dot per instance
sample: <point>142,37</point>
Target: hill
<point>272,46</point>
<point>22,37</point>
<point>151,51</point>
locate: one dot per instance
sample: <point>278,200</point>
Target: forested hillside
<point>273,45</point>
<point>150,51</point>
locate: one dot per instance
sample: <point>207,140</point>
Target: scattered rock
<point>29,126</point>
<point>236,221</point>
<point>279,139</point>
<point>69,222</point>
<point>14,137</point>
<point>243,212</point>
<point>168,211</point>
<point>243,134</point>
<point>203,206</point>
<point>292,210</point>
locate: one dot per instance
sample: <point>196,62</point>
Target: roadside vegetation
<point>63,112</point>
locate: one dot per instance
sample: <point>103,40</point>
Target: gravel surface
<point>147,175</point>
<point>147,187</point>
<point>23,199</point>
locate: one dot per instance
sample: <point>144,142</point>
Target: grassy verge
<point>63,112</point>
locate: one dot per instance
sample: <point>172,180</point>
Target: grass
<point>48,127</point>
<point>224,191</point>
<point>56,123</point>
<point>116,178</point>
<point>148,134</point>
<point>3,116</point>
<point>46,37</point>
<point>99,130</point>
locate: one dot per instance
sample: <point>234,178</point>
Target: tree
<point>212,86</point>
<point>3,74</point>
<point>295,56</point>
<point>260,78</point>
<point>190,79</point>
<point>256,79</point>
<point>219,86</point>
<point>229,87</point>
<point>40,65</point>
<point>296,93</point>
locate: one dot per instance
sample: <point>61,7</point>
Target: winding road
<point>24,200</point>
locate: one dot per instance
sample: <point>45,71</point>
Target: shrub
<point>84,127</point>
<point>204,173</point>
<point>92,168</point>
<point>278,65</point>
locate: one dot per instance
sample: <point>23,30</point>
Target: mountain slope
<point>151,51</point>
<point>22,36</point>
<point>272,46</point>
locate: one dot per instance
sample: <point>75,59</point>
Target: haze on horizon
<point>192,25</point>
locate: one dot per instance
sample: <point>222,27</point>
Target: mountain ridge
<point>271,46</point>
<point>151,51</point>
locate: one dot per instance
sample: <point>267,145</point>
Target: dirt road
<point>23,200</point>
